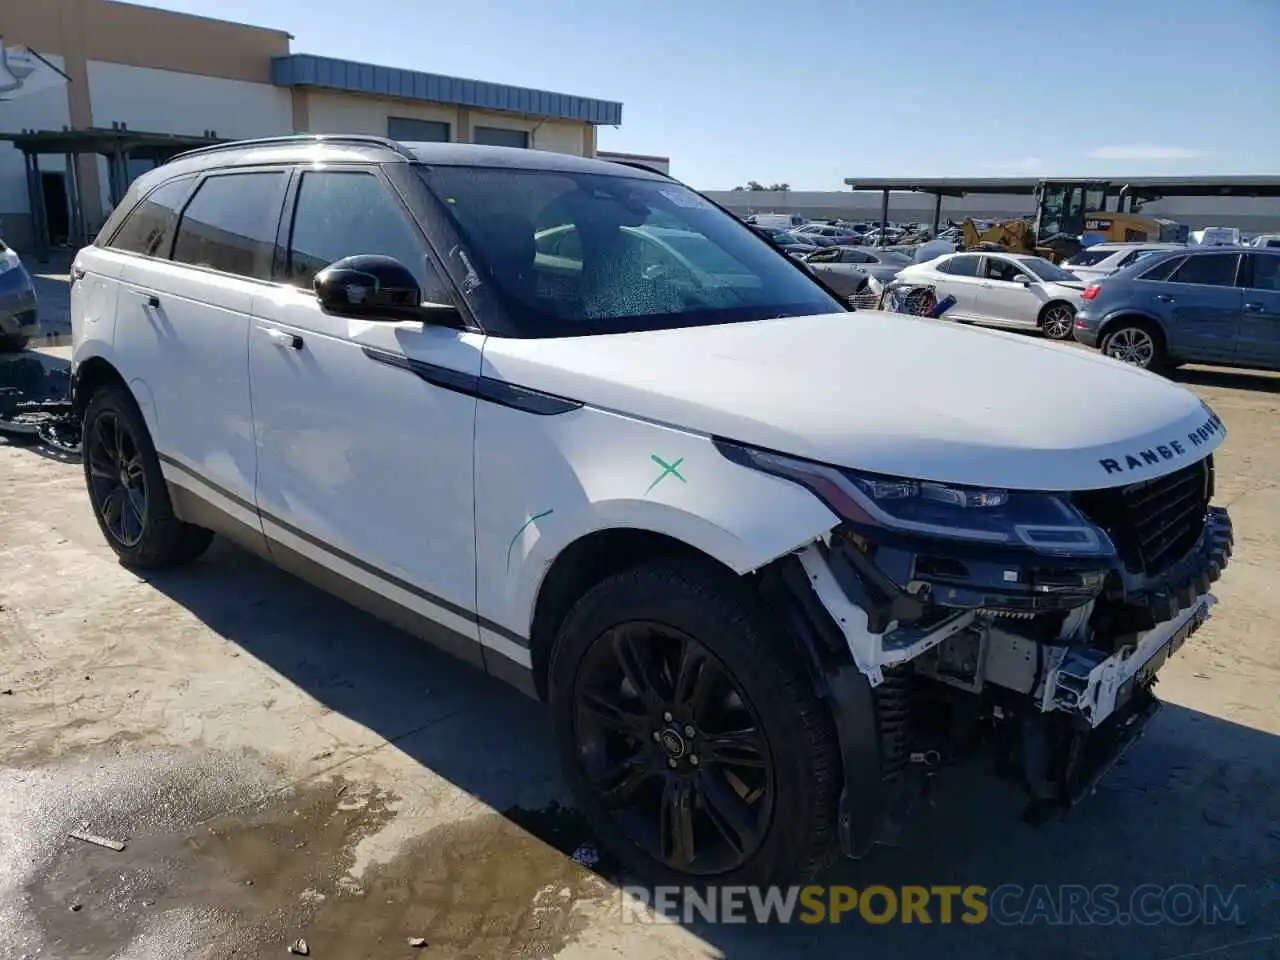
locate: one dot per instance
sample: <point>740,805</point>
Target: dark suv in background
<point>1218,305</point>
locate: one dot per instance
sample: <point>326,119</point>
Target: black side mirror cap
<point>375,287</point>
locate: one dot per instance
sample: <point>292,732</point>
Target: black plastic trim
<point>484,388</point>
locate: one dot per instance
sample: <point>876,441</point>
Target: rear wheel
<point>127,490</point>
<point>1058,320</point>
<point>1136,342</point>
<point>690,732</point>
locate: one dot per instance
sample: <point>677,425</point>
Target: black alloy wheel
<point>117,479</point>
<point>672,748</point>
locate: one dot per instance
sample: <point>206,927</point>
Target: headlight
<point>1044,522</point>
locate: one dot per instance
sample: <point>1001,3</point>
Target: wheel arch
<point>97,371</point>
<point>1055,302</point>
<point>1147,319</point>
<point>587,561</point>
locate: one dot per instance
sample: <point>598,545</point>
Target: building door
<point>57,208</point>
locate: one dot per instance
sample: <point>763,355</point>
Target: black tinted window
<point>963,266</point>
<point>1002,270</point>
<point>1162,270</point>
<point>341,214</point>
<point>149,227</point>
<point>230,224</point>
<point>1266,272</point>
<point>1214,270</point>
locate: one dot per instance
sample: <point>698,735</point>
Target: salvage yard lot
<point>283,766</point>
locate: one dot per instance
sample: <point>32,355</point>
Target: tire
<point>13,342</point>
<point>1136,342</point>
<point>1057,321</point>
<point>739,646</point>
<point>144,533</point>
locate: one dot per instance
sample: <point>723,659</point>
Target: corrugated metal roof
<point>306,70</point>
<point>1264,185</point>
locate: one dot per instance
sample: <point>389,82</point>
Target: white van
<point>1217,236</point>
<point>777,221</point>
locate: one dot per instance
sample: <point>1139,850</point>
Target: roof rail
<point>354,138</point>
<point>637,165</point>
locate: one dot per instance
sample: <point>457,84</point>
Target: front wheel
<point>1136,343</point>
<point>1057,321</point>
<point>127,490</point>
<point>690,732</point>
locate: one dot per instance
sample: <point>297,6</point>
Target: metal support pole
<point>78,238</point>
<point>884,215</point>
<point>39,216</point>
<point>937,212</point>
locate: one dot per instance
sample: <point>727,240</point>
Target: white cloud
<point>1145,153</point>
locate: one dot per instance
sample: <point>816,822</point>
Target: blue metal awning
<point>305,70</point>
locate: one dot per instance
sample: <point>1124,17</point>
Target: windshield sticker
<point>684,198</point>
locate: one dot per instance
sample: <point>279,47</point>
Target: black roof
<point>354,148</point>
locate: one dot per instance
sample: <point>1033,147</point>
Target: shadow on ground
<point>1194,804</point>
<point>1226,378</point>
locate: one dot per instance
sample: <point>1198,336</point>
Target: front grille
<point>1155,522</point>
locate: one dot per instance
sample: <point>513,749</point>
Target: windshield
<point>571,254</point>
<point>892,257</point>
<point>1046,271</point>
<point>1087,258</point>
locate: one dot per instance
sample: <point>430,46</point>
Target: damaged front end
<point>971,616</point>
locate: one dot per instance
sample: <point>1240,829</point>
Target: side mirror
<point>1024,280</point>
<point>374,287</point>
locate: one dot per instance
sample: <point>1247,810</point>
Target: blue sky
<point>809,93</point>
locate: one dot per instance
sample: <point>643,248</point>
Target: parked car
<point>827,232</point>
<point>785,240</point>
<point>1216,305</point>
<point>1103,259</point>
<point>846,269</point>
<point>753,551</point>
<point>1004,290</point>
<point>1269,240</point>
<point>19,307</point>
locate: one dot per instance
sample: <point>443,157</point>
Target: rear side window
<point>1162,270</point>
<point>342,214</point>
<point>1266,271</point>
<point>963,266</point>
<point>230,224</point>
<point>1213,270</point>
<point>148,229</point>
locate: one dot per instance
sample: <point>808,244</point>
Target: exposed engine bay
<point>1053,657</point>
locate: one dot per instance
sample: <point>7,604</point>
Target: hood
<point>886,393</point>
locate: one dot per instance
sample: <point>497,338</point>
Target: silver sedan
<point>1004,290</point>
<point>847,269</point>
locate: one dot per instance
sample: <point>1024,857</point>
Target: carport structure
<point>1083,195</point>
<point>118,145</point>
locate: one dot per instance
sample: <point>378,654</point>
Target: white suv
<point>579,426</point>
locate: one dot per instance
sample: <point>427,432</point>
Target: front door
<point>182,319</point>
<point>1204,306</point>
<point>1005,298</point>
<point>1260,321</point>
<point>365,480</point>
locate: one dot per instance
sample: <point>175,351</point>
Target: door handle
<point>1255,307</point>
<point>1164,297</point>
<point>282,338</point>
<point>148,299</point>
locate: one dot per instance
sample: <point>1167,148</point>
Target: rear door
<point>183,322</point>
<point>1204,306</point>
<point>1260,320</point>
<point>958,277</point>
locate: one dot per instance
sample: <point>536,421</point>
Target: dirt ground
<point>282,766</point>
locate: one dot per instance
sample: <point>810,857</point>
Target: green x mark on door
<point>668,470</point>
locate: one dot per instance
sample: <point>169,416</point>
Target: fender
<point>592,470</point>
<point>101,351</point>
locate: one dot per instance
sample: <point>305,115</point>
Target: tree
<point>780,187</point>
<point>754,185</point>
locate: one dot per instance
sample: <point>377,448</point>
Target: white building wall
<point>165,101</point>
<point>348,113</point>
<point>44,110</point>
